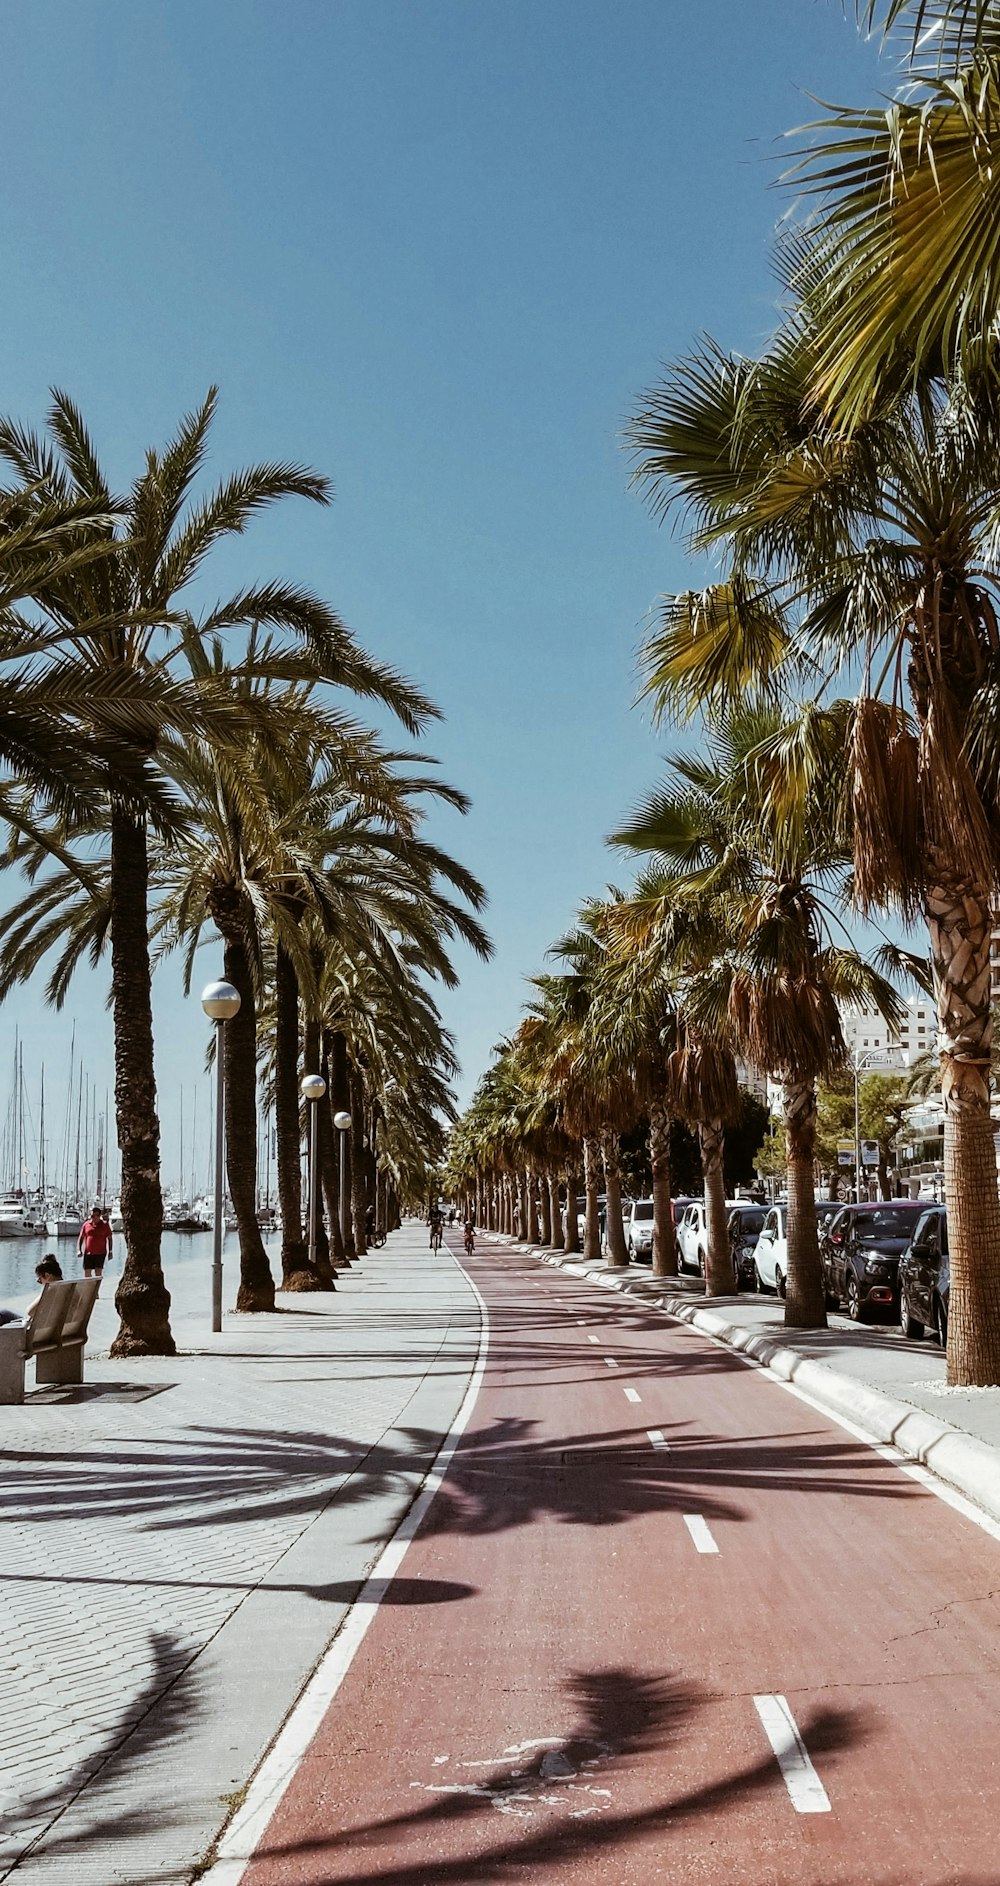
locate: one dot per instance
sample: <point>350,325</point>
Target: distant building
<point>753,1080</point>
<point>868,1034</point>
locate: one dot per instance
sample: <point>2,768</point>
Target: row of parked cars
<point>887,1258</point>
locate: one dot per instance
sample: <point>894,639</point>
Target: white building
<point>868,1034</point>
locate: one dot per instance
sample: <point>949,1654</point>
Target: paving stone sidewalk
<point>181,1541</point>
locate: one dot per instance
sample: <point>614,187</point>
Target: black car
<point>924,1277</point>
<point>745,1224</point>
<point>860,1251</point>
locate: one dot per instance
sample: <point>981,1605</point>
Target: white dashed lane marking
<point>656,1439</point>
<point>632,1394</point>
<point>698,1528</point>
<point>806,1791</point>
<point>611,1363</point>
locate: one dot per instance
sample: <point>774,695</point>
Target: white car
<point>771,1256</point>
<point>639,1230</point>
<point>692,1235</point>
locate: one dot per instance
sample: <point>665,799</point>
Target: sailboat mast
<point>41,1138</point>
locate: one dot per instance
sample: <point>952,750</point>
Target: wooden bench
<point>55,1337</point>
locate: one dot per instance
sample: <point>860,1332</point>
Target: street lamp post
<point>342,1122</point>
<point>860,1065</point>
<point>313,1087</point>
<point>220,1002</point>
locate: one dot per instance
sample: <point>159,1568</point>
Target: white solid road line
<point>808,1795</point>
<point>698,1528</point>
<point>632,1394</point>
<point>612,1364</point>
<point>268,1786</point>
<point>656,1439</point>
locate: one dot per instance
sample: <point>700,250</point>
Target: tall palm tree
<point>751,823</point>
<point>908,226</point>
<point>880,551</point>
<point>122,617</point>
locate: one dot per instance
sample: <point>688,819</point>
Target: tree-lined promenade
<point>843,665</point>
<point>169,770</point>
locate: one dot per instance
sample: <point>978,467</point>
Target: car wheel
<point>855,1309</point>
<point>630,1252</point>
<point>941,1320</point>
<point>779,1283</point>
<point>758,1281</point>
<point>909,1324</point>
<point>701,1263</point>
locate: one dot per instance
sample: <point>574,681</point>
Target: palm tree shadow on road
<point>623,1717</point>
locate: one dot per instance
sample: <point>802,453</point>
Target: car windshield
<point>751,1220</point>
<point>889,1221</point>
<point>643,1214</point>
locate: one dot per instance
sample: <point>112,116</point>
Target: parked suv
<point>639,1231</point>
<point>860,1252</point>
<point>924,1277</point>
<point>746,1222</point>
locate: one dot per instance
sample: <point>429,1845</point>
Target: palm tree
<point>881,551</point>
<point>909,219</point>
<point>751,828</point>
<point>121,617</point>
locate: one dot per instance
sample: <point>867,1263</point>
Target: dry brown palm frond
<point>884,788</point>
<point>953,816</point>
<point>703,1081</point>
<point>790,1024</point>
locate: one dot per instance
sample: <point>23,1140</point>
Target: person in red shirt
<point>94,1243</point>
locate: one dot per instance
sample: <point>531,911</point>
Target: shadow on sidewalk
<point>160,1714</point>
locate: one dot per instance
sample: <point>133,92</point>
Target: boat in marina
<point>18,1219</point>
<point>64,1225</point>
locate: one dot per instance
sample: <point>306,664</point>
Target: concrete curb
<point>969,1466</point>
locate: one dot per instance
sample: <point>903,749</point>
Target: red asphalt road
<point>563,1690</point>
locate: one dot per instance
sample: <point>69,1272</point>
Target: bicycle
<point>436,1237</point>
<point>470,1244</point>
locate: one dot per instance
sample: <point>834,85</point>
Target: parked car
<point>692,1235</point>
<point>639,1231</point>
<point>924,1277</point>
<point>770,1258</point>
<point>860,1252</point>
<point>827,1208</point>
<point>746,1222</point>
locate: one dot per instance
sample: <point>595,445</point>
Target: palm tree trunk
<point>142,1298</point>
<point>295,1272</point>
<point>340,1093</point>
<point>545,1210</point>
<point>615,1232</point>
<point>552,1195</point>
<point>805,1296</point>
<point>664,1238</point>
<point>718,1264</point>
<point>531,1202</point>
<point>256,1291</point>
<point>359,1192</point>
<point>571,1231</point>
<point>592,1186</point>
<point>522,1205</point>
<point>959,924</point>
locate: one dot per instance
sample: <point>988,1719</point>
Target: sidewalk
<point>183,1539</point>
<point>870,1374</point>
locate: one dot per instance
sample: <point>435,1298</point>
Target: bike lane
<point>662,1621</point>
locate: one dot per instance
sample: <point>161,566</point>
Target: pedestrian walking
<point>94,1243</point>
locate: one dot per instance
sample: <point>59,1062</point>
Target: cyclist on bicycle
<point>436,1223</point>
<point>470,1237</point>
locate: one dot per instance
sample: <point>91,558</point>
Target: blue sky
<point>436,248</point>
